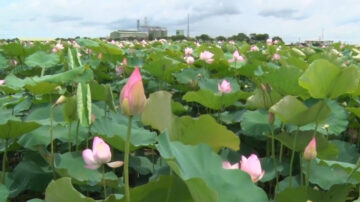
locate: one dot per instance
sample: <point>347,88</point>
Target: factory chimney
<point>138,24</point>
<point>188,26</point>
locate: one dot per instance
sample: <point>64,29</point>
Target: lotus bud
<point>252,166</point>
<point>60,100</point>
<point>93,118</point>
<point>271,118</point>
<point>310,150</point>
<point>263,87</point>
<point>132,96</point>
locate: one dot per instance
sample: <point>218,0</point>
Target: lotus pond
<point>91,120</point>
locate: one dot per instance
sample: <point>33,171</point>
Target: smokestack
<point>138,25</point>
<point>188,26</point>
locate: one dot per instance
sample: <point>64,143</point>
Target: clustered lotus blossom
<point>57,47</point>
<point>119,69</point>
<point>310,150</point>
<point>269,41</point>
<point>224,87</point>
<point>99,155</point>
<point>188,58</point>
<point>250,165</point>
<point>132,96</point>
<point>207,56</point>
<point>276,56</point>
<point>188,51</point>
<point>236,57</point>
<point>254,48</point>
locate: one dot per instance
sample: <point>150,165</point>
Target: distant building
<point>318,42</point>
<point>180,32</point>
<point>143,32</point>
<point>128,34</point>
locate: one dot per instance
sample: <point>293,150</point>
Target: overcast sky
<point>290,19</point>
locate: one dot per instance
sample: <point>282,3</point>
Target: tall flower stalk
<point>132,102</point>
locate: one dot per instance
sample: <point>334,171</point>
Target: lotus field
<point>162,121</point>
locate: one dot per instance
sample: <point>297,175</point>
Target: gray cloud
<point>352,20</point>
<point>286,14</point>
<point>124,23</point>
<point>57,18</point>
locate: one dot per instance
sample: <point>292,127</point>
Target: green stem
<point>88,136</point>
<point>273,153</point>
<point>3,171</point>
<point>281,152</point>
<point>52,140</point>
<point>103,179</point>
<point>354,170</point>
<point>308,163</point>
<point>77,135</point>
<point>301,174</point>
<point>169,190</point>
<point>292,157</point>
<point>42,71</point>
<point>69,136</point>
<point>316,126</point>
<point>126,161</point>
<point>105,109</point>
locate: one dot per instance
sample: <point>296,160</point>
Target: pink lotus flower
<point>207,57</point>
<point>276,42</point>
<point>227,165</point>
<point>124,62</point>
<point>252,166</point>
<point>132,96</point>
<point>75,44</point>
<point>2,82</point>
<point>189,60</point>
<point>276,56</point>
<point>59,46</point>
<point>310,150</point>
<point>254,48</point>
<point>236,57</point>
<point>269,41</point>
<point>224,87</point>
<point>99,56</point>
<point>188,51</point>
<point>54,50</point>
<point>99,155</point>
<point>232,42</point>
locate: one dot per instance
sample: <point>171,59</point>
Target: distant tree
<point>177,37</point>
<point>258,37</point>
<point>220,38</point>
<point>278,38</point>
<point>204,37</point>
<point>240,37</point>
